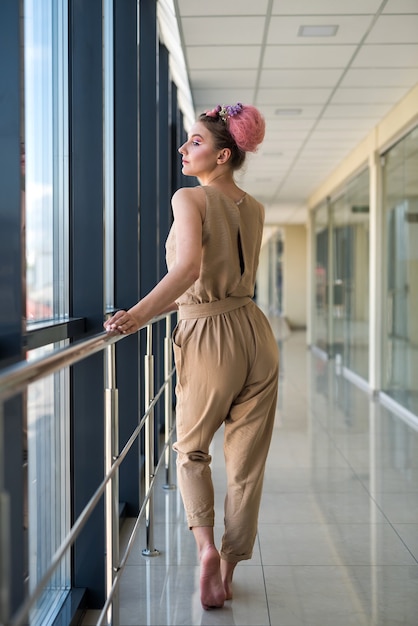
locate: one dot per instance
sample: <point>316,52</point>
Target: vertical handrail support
<point>168,402</point>
<point>4,533</point>
<point>111,453</point>
<point>150,550</point>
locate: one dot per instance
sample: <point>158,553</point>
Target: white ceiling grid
<point>332,90</point>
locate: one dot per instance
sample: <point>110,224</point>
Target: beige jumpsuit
<point>227,372</point>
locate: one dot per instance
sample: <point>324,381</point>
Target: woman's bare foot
<point>212,592</point>
<point>227,571</point>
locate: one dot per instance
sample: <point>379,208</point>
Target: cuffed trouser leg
<point>196,487</point>
<point>247,439</point>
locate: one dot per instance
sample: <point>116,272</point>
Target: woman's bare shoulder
<point>190,196</point>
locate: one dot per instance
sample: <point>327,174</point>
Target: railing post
<point>168,401</point>
<point>149,446</point>
<point>112,487</point>
<point>4,534</point>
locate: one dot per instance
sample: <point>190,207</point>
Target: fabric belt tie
<point>207,309</point>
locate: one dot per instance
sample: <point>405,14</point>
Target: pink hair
<point>247,128</point>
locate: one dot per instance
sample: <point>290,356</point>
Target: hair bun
<point>247,128</point>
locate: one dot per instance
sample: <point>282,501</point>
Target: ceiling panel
<point>326,128</point>
<point>316,146</point>
<point>401,6</point>
<point>299,78</point>
<point>305,111</point>
<point>215,79</point>
<point>222,30</point>
<point>220,7</point>
<point>380,77</point>
<point>345,111</point>
<point>366,95</point>
<point>208,98</point>
<point>311,95</point>
<point>324,7</point>
<point>277,125</point>
<point>208,57</point>
<point>299,56</point>
<point>387,55</point>
<point>394,29</point>
<point>274,139</point>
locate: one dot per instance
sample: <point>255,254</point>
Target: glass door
<point>400,317</point>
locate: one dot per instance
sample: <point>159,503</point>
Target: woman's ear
<point>224,156</point>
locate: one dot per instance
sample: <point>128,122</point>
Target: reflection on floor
<point>338,529</point>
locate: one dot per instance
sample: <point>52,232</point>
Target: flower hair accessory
<point>225,111</point>
<point>214,112</point>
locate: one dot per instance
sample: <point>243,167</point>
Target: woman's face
<point>198,152</point>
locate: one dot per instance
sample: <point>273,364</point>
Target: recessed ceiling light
<point>288,112</point>
<point>317,31</point>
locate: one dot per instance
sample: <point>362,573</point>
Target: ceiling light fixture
<point>317,31</point>
<point>288,112</point>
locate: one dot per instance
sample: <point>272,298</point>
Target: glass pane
<point>401,269</point>
<point>45,157</point>
<point>48,485</point>
<point>45,148</point>
<point>320,334</point>
<point>350,220</point>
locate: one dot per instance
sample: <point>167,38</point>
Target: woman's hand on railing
<point>122,322</point>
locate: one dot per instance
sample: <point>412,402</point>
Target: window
<point>45,157</point>
<point>48,502</point>
<point>321,278</point>
<point>350,221</point>
<point>46,201</point>
<point>341,320</point>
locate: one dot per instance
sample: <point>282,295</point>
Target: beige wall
<point>295,275</point>
<point>263,277</point>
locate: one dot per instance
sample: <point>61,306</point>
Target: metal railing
<point>16,379</point>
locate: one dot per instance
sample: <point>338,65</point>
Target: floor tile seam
<point>350,466</point>
<point>264,578</point>
<point>342,563</point>
<point>326,524</point>
<point>353,538</point>
<point>396,492</point>
<point>328,433</point>
<point>408,556</point>
<point>165,565</point>
<point>358,485</point>
<point>305,492</point>
<point>343,566</point>
<point>406,546</point>
<point>372,498</point>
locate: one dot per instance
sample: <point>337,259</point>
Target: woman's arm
<point>188,209</point>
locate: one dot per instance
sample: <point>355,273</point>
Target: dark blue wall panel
<point>127,233</point>
<point>87,298</point>
<point>11,267</point>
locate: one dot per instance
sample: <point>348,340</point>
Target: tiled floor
<point>338,532</point>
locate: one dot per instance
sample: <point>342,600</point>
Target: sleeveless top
<point>231,241</point>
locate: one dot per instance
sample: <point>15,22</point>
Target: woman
<point>225,353</point>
